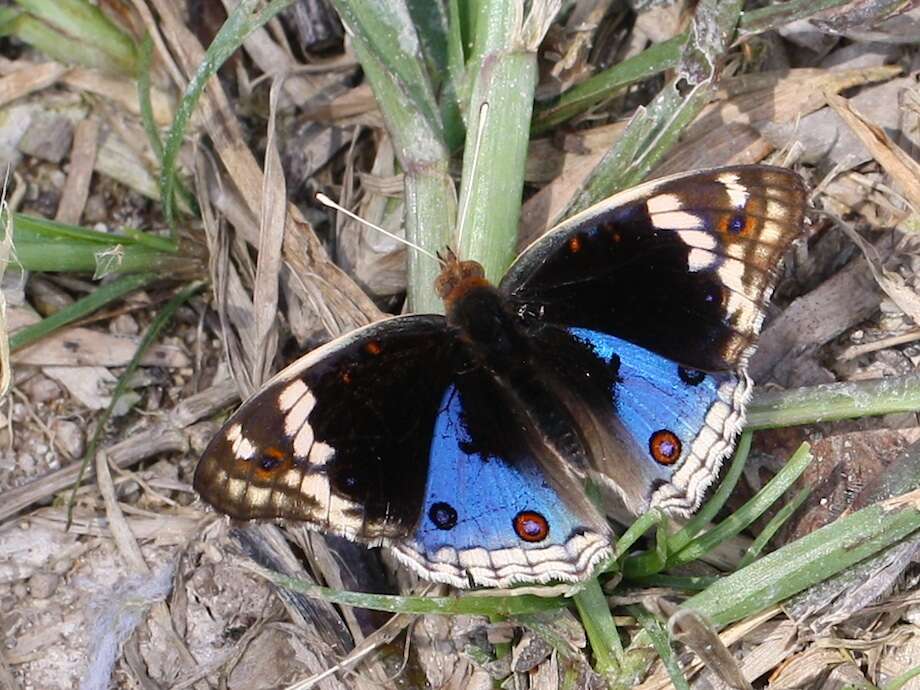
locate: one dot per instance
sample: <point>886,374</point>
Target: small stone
<point>42,585</point>
<point>41,389</point>
<point>200,435</point>
<point>69,437</point>
<point>62,566</point>
<point>125,324</point>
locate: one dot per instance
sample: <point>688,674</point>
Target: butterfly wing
<point>668,280</point>
<point>393,435</point>
<point>498,508</point>
<point>340,438</point>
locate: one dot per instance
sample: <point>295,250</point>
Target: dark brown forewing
<point>339,439</point>
<point>682,266</point>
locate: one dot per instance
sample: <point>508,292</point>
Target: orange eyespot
<point>531,526</point>
<point>271,460</point>
<point>665,447</point>
<point>575,244</point>
<point>373,348</point>
<point>737,224</point>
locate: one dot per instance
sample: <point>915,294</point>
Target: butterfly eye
<point>531,526</point>
<point>665,447</point>
<point>443,515</point>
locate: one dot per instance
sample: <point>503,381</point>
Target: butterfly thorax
<point>478,311</point>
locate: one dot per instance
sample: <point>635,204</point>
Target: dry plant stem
<point>505,77</point>
<point>388,48</point>
<point>168,436</point>
<point>303,252</point>
<point>131,552</point>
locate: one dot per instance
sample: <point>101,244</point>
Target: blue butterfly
<point>614,348</point>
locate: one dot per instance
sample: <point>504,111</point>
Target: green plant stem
<point>98,298</point>
<point>505,76</point>
<point>469,604</point>
<point>63,255</point>
<point>28,228</point>
<point>829,402</point>
<point>600,628</point>
<point>389,51</point>
<point>807,561</point>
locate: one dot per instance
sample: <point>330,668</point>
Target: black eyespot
<point>712,292</point>
<point>349,481</point>
<point>692,377</point>
<point>736,224</point>
<point>268,462</point>
<point>443,515</point>
<point>613,365</point>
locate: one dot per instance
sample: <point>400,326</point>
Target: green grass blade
<point>749,512</point>
<point>58,46</point>
<point>144,61</point>
<point>662,643</point>
<point>469,604</point>
<point>720,496</point>
<point>902,680</point>
<point>809,560</point>
<point>600,628</point>
<point>606,84</point>
<point>89,26</point>
<point>83,307</point>
<point>153,332</point>
<point>242,21</point>
<point>776,522</point>
<point>654,130</point>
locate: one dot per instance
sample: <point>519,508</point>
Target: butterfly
<point>614,348</point>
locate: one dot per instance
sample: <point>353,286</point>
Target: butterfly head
<point>457,277</point>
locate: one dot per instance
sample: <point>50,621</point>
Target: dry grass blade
<point>29,79</point>
<point>904,170</point>
<point>302,250</point>
<point>82,162</point>
<point>271,240</point>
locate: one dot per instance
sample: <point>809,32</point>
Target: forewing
<point>339,439</point>
<point>682,266</point>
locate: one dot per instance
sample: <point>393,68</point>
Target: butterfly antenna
<point>326,201</point>
<point>464,208</point>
